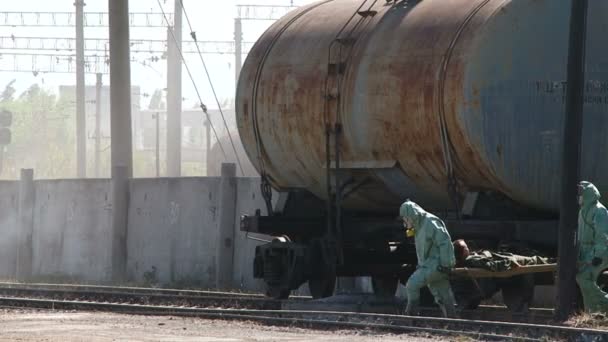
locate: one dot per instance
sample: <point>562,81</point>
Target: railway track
<point>235,306</point>
<point>138,295</point>
<point>129,289</point>
<point>484,330</point>
<point>205,299</point>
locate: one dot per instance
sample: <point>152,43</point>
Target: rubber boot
<point>412,308</point>
<point>448,311</point>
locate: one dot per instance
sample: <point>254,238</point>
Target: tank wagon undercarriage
<point>304,250</point>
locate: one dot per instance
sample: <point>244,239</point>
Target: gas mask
<point>409,227</point>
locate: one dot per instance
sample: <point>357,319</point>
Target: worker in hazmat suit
<point>435,255</point>
<point>592,247</point>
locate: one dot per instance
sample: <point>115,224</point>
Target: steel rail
<point>148,299</point>
<point>126,289</point>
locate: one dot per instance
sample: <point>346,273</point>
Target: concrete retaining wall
<point>172,235</point>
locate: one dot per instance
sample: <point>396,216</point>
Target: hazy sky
<point>212,20</point>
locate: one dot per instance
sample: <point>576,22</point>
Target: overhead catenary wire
<point>198,94</point>
<point>193,35</point>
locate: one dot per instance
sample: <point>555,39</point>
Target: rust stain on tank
<point>389,99</point>
<point>471,168</point>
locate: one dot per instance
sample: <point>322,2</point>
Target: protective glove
<point>596,261</point>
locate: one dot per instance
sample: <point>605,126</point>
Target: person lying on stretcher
<point>493,261</point>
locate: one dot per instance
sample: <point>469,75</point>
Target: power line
<point>262,12</point>
<point>193,35</point>
<point>203,107</point>
<point>59,63</point>
<point>50,63</point>
<point>101,45</point>
<point>68,19</point>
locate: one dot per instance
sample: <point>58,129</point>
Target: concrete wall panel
<point>9,206</point>
<point>173,231</point>
<point>71,237</point>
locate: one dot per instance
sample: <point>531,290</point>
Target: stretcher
<point>483,273</point>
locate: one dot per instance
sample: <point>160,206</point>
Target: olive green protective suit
<point>435,255</point>
<point>502,261</point>
<point>592,248</point>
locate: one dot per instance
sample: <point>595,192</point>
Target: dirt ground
<point>34,325</point>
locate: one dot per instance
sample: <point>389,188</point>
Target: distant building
<point>195,141</point>
<point>216,157</point>
<point>69,92</point>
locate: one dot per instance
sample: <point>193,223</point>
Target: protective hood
<point>590,193</point>
<point>413,211</point>
<point>432,239</point>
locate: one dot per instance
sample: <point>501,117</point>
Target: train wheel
<point>518,292</point>
<point>323,287</point>
<point>384,286</point>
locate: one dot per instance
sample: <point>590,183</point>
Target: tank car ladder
<point>340,51</point>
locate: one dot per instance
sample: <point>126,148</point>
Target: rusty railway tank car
<point>348,107</point>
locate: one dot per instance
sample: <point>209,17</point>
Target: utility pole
<point>120,131</point>
<point>81,142</point>
<point>208,147</point>
<point>571,160</point>
<point>157,152</point>
<point>120,86</point>
<point>174,94</point>
<point>98,86</point>
<point>238,46</point>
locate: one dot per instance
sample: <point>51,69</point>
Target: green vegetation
<point>44,138</point>
<point>43,133</point>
